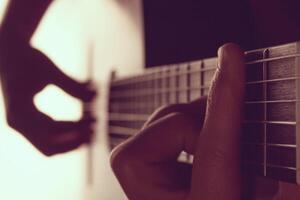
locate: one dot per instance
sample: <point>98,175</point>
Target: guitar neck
<point>272,106</point>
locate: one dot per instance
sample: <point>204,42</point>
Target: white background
<point>73,33</point>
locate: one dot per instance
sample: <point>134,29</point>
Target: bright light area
<point>65,35</point>
<point>25,173</point>
<point>3,4</point>
<point>58,104</point>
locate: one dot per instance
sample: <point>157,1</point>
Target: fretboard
<point>272,106</point>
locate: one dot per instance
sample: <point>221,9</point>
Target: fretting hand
<point>146,165</point>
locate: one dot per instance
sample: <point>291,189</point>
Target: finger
<point>164,139</point>
<point>88,115</point>
<point>225,100</point>
<point>168,132</point>
<point>152,155</point>
<point>67,136</point>
<point>73,142</point>
<point>216,164</point>
<point>43,132</point>
<point>68,131</point>
<point>196,109</point>
<point>50,73</point>
<point>84,91</point>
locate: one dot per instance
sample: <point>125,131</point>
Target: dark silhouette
<point>25,71</point>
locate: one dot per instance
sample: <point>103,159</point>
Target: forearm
<point>21,19</point>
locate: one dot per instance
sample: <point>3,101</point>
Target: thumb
<point>50,73</point>
<point>216,172</point>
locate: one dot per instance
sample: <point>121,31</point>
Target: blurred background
<point>76,35</point>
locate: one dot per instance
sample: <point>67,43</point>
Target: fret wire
<point>177,84</point>
<point>273,59</point>
<point>282,145</point>
<point>189,83</point>
<point>156,96</point>
<point>270,122</point>
<point>202,79</point>
<point>168,72</point>
<point>265,67</point>
<point>281,167</point>
<point>297,63</point>
<point>163,88</point>
<point>184,83</point>
<point>272,144</point>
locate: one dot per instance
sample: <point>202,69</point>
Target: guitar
<point>272,108</point>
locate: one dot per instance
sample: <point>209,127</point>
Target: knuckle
<point>122,161</point>
<point>230,63</point>
<point>171,108</point>
<point>181,118</point>
<point>14,121</point>
<point>44,146</point>
<point>230,56</point>
<point>11,122</point>
<point>230,48</point>
<point>47,153</point>
<point>127,167</point>
<point>165,109</point>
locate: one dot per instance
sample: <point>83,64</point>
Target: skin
<point>146,165</point>
<point>25,71</point>
<point>208,128</point>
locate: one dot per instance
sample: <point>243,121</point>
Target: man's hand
<point>146,165</point>
<point>25,71</point>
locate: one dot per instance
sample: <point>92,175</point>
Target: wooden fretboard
<point>270,141</point>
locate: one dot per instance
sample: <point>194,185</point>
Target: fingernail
<point>230,60</point>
